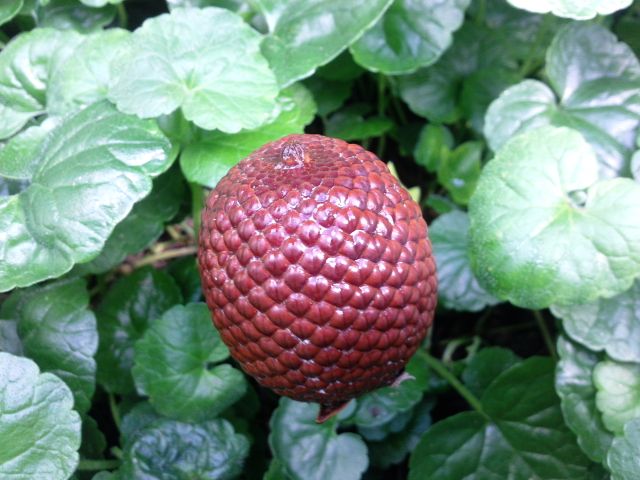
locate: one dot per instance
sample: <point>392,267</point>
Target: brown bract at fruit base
<point>317,268</point>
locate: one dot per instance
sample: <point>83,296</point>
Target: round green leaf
<point>574,384</point>
<point>84,78</point>
<point>349,125</point>
<point>635,166</point>
<point>382,405</point>
<point>571,9</point>
<point>41,431</point>
<point>144,224</point>
<point>308,450</point>
<point>597,81</point>
<point>27,64</point>
<point>403,436</point>
<point>520,436</point>
<point>459,170</point>
<point>58,331</point>
<point>125,313</point>
<point>92,169</point>
<point>484,367</point>
<point>19,157</point>
<point>618,396</point>
<point>9,9</point>
<point>187,275</point>
<point>233,5</point>
<point>136,420</point>
<point>175,364</point>
<point>623,459</point>
<point>71,15</point>
<point>410,35</point>
<point>329,95</point>
<point>93,440</point>
<point>206,62</point>
<point>9,339</point>
<point>554,235</point>
<point>305,34</point>
<point>434,142</point>
<point>100,3</point>
<point>170,450</point>
<point>458,288</point>
<point>609,324</point>
<point>209,159</point>
<point>436,92</point>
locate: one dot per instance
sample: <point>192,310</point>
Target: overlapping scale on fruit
<point>317,268</point>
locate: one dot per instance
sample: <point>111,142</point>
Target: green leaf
<point>484,367</point>
<point>19,157</point>
<point>608,324</point>
<point>144,224</point>
<point>624,457</point>
<point>597,82</point>
<point>522,437</point>
<point>410,35</point>
<point>403,438</point>
<point>555,235</point>
<point>141,416</point>
<point>459,171</point>
<point>70,15</point>
<point>341,69</point>
<point>9,339</point>
<point>433,145</point>
<point>618,396</point>
<point>92,169</point>
<point>94,442</point>
<point>305,34</point>
<point>37,416</point>
<point>571,9</point>
<point>382,405</point>
<point>574,384</point>
<point>9,9</point>
<point>187,275</point>
<point>27,64</point>
<point>209,159</point>
<point>177,365</point>
<point>275,471</point>
<point>170,450</point>
<point>100,3</point>
<point>206,62</point>
<point>635,166</point>
<point>85,77</point>
<point>233,5</point>
<point>126,311</point>
<point>458,288</point>
<point>308,450</point>
<point>350,124</point>
<point>329,95</point>
<point>436,92</point>
<point>58,331</point>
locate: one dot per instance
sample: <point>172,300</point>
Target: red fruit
<point>317,268</point>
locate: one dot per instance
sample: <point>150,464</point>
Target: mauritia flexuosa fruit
<point>317,268</point>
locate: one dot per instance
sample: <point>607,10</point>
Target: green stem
<point>197,203</point>
<point>123,18</point>
<point>437,366</point>
<point>166,255</point>
<point>546,334</point>
<point>94,465</point>
<point>115,412</point>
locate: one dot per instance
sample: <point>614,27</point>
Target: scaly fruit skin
<point>317,268</point>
